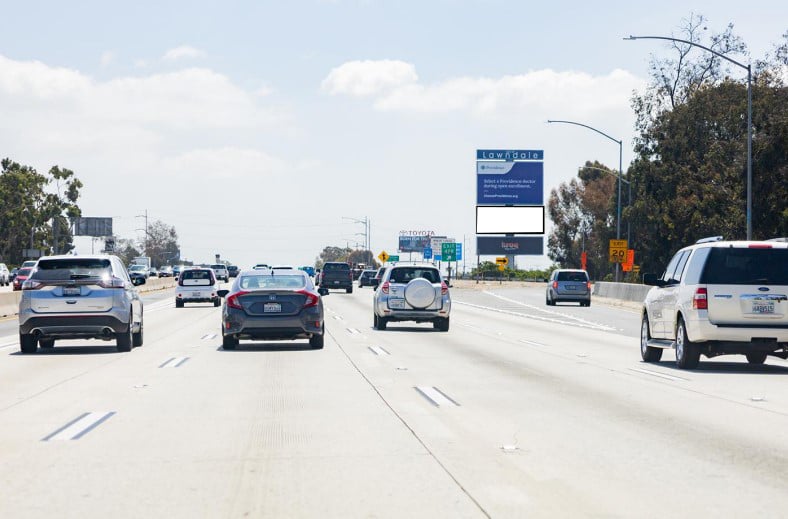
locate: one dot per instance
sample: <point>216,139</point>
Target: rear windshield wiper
<point>82,276</point>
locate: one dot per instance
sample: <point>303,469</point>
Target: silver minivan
<point>80,297</point>
<point>568,286</point>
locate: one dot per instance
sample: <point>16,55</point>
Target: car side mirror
<point>322,291</point>
<point>136,281</point>
<point>222,293</point>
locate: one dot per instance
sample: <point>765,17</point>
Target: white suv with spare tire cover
<point>719,297</point>
<point>412,293</point>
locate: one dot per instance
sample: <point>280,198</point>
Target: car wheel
<point>648,353</point>
<point>550,301</point>
<point>178,303</point>
<point>124,340</point>
<point>216,302</point>
<point>349,290</point>
<point>374,320</point>
<point>136,338</point>
<point>687,353</point>
<point>441,324</point>
<point>316,341</point>
<point>229,342</point>
<point>756,357</point>
<point>382,322</point>
<point>46,343</point>
<point>27,343</point>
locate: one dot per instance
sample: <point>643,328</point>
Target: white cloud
<point>394,86</point>
<point>107,58</point>
<point>183,52</point>
<point>368,78</point>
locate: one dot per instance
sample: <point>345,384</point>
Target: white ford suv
<point>719,297</point>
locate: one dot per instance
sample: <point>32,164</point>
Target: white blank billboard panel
<point>510,220</point>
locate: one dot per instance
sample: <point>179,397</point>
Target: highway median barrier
<point>622,291</point>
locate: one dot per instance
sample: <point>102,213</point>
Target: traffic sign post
<point>617,251</point>
<point>383,256</point>
<point>449,251</point>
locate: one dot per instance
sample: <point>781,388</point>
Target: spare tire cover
<point>419,293</point>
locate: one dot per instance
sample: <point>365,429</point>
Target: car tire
<point>550,301</point>
<point>382,322</point>
<point>687,352</point>
<point>229,342</point>
<point>123,340</point>
<point>27,343</point>
<point>46,343</point>
<point>441,324</point>
<point>647,353</point>
<point>178,303</point>
<point>136,338</point>
<point>316,341</point>
<point>374,320</point>
<point>349,290</point>
<point>756,357</point>
<point>216,302</point>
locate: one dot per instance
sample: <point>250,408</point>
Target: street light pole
<point>620,166</point>
<point>748,68</point>
<point>629,189</point>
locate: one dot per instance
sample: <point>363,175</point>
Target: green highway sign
<point>393,258</point>
<point>449,251</point>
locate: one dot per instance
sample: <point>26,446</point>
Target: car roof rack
<point>710,239</point>
<point>783,239</point>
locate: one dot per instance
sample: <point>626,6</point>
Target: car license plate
<point>272,307</point>
<point>336,282</point>
<point>396,303</point>
<point>763,307</point>
<point>196,294</point>
<point>571,287</point>
<point>71,291</point>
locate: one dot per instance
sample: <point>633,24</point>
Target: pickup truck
<point>337,274</point>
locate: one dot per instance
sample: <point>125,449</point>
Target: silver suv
<point>716,298</point>
<point>5,275</point>
<point>412,293</point>
<point>80,297</point>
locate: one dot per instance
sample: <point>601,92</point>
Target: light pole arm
<point>691,43</point>
<point>586,126</point>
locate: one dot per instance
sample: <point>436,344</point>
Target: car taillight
<point>232,301</point>
<point>31,284</point>
<point>588,285</point>
<point>444,288</point>
<point>760,246</point>
<point>112,282</point>
<point>385,287</point>
<point>699,300</point>
<point>555,284</point>
<point>311,298</point>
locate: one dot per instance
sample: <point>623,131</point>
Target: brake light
<point>112,282</point>
<point>30,284</point>
<point>699,300</point>
<point>232,301</point>
<point>444,288</point>
<point>555,284</point>
<point>760,246</point>
<point>588,285</point>
<point>311,298</point>
<point>385,287</point>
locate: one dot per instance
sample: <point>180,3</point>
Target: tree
<point>32,216</point>
<point>161,244</point>
<point>331,253</point>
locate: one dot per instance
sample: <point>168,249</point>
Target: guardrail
<point>622,291</point>
<point>9,301</point>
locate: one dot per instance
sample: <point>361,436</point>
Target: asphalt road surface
<point>520,410</point>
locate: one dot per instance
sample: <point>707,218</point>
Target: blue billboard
<point>409,243</point>
<point>505,183</point>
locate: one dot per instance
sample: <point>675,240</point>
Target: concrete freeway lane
<point>515,412</point>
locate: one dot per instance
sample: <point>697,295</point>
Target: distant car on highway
<point>412,293</point>
<point>197,285</point>
<point>272,305</point>
<point>21,276</point>
<point>337,274</point>
<point>140,269</point>
<point>366,277</point>
<point>176,271</point>
<point>5,275</point>
<point>568,286</point>
<point>261,266</point>
<point>165,271</point>
<point>717,298</point>
<point>376,278</point>
<point>232,270</point>
<point>12,274</point>
<point>79,297</point>
<point>29,263</point>
<point>221,271</point>
<point>308,269</point>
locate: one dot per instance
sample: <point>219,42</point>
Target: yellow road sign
<point>502,260</point>
<point>383,256</point>
<point>618,251</point>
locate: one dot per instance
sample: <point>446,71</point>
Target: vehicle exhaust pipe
<point>107,333</point>
<point>37,334</point>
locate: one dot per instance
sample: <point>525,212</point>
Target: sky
<point>265,130</point>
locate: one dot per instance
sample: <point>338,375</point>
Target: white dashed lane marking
<point>79,427</point>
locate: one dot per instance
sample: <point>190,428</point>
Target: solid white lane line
<point>377,350</point>
<point>79,427</point>
<point>536,317</point>
<point>436,396</point>
<point>579,320</point>
<point>658,374</point>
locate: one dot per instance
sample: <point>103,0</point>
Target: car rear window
<point>251,282</point>
<point>72,268</point>
<point>23,272</point>
<point>218,267</point>
<point>196,277</point>
<point>333,267</point>
<point>405,275</point>
<point>572,276</point>
<point>750,266</point>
